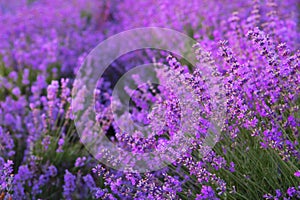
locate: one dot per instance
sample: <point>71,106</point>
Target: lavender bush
<point>252,48</point>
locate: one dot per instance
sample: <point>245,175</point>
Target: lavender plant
<point>252,48</point>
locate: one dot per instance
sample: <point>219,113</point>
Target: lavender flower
<point>206,193</point>
<point>297,173</point>
<point>252,47</point>
<point>69,185</point>
<point>80,162</point>
<point>6,175</point>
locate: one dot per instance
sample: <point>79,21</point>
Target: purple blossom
<point>5,174</point>
<point>206,193</point>
<point>232,167</point>
<point>88,179</point>
<point>52,171</point>
<point>291,191</point>
<point>80,162</point>
<point>297,173</point>
<point>252,48</point>
<point>69,184</point>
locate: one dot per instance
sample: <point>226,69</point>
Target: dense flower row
<point>252,48</point>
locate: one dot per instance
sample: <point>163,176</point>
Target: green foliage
<point>257,170</point>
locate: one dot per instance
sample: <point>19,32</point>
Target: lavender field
<point>149,100</point>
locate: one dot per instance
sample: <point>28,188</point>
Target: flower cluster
<point>249,49</point>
